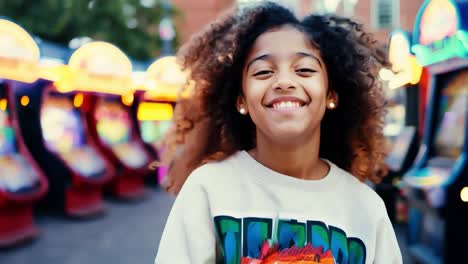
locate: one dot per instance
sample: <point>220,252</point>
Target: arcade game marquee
<point>164,83</point>
<point>401,125</point>
<point>102,73</point>
<point>22,183</point>
<point>437,183</point>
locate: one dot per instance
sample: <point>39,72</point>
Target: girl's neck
<point>296,159</point>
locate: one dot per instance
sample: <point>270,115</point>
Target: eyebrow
<point>269,56</point>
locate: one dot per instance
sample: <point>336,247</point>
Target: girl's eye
<point>264,72</point>
<point>305,70</point>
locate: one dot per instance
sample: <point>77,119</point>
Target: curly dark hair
<point>351,134</point>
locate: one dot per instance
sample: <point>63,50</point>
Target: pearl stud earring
<point>243,111</point>
<point>331,105</point>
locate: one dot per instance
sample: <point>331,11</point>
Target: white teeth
<point>286,105</point>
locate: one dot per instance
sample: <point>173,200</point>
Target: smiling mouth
<point>286,104</point>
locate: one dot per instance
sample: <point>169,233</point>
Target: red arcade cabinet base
<point>84,202</point>
<point>129,187</point>
<point>16,224</point>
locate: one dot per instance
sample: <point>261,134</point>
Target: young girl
<point>295,126</point>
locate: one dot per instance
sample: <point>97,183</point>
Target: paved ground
<point>128,233</point>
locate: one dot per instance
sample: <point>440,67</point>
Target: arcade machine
<point>57,142</point>
<point>154,121</point>
<point>163,84</point>
<point>437,183</point>
<point>63,134</point>
<point>120,141</point>
<point>104,77</point>
<point>401,128</point>
<point>22,183</point>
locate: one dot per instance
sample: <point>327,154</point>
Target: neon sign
<point>404,66</point>
<point>437,33</point>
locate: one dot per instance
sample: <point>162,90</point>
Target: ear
<point>241,105</point>
<point>332,100</point>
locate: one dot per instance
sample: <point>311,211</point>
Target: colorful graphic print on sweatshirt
<point>259,240</point>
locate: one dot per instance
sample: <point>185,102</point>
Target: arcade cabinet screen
<point>15,173</point>
<point>7,134</point>
<point>61,125</point>
<point>400,148</point>
<point>64,133</point>
<point>113,123</point>
<point>114,128</point>
<point>395,118</point>
<point>452,117</point>
<point>153,131</point>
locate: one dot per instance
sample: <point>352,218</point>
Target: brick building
<point>379,16</point>
<point>195,14</point>
<point>383,16</point>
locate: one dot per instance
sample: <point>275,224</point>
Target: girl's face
<point>284,85</point>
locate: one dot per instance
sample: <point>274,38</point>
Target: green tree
<point>132,25</point>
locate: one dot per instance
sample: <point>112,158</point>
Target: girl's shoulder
<point>360,192</point>
<point>215,172</point>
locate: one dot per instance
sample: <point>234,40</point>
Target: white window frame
<point>395,14</point>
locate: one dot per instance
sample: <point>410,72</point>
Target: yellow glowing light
<point>61,75</point>
<point>167,70</point>
<point>165,80</point>
<point>416,70</point>
<point>138,79</point>
<point>163,93</point>
<point>19,53</point>
<point>398,52</point>
<point>55,72</point>
<point>78,100</point>
<point>24,100</point>
<point>150,84</point>
<point>464,194</point>
<point>63,87</point>
<point>3,104</point>
<point>127,99</point>
<point>101,58</point>
<point>386,74</point>
<point>98,67</point>
<point>410,73</point>
<point>405,69</point>
<point>155,111</point>
<point>16,43</point>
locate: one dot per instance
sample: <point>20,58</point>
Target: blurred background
<point>88,90</point>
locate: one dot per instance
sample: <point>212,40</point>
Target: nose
<point>285,81</point>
